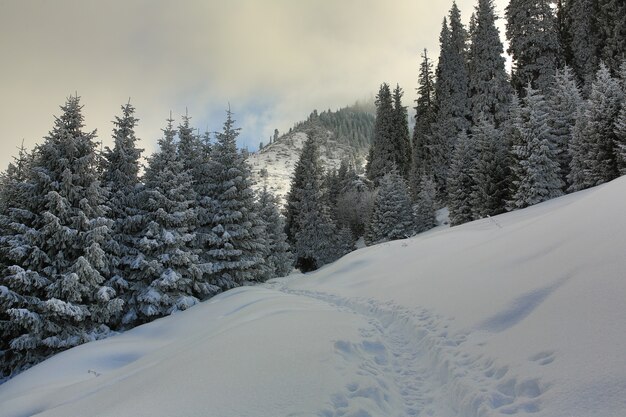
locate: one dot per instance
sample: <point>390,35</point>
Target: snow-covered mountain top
<point>275,163</point>
<point>522,314</point>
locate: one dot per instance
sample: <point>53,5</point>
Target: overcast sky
<point>274,61</point>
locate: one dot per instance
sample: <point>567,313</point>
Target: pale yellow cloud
<point>289,55</point>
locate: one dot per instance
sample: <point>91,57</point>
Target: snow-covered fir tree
<point>489,171</point>
<point>61,259</point>
<point>189,146</point>
<point>532,32</point>
<point>580,40</point>
<point>489,88</point>
<point>382,155</point>
<point>278,257</point>
<point>316,240</point>
<point>461,181</point>
<point>121,177</point>
<point>424,118</point>
<point>19,288</point>
<point>451,95</point>
<point>401,137</point>
<point>235,244</point>
<point>602,112</point>
<point>354,206</point>
<point>620,137</point>
<point>579,149</point>
<point>307,165</point>
<point>538,176</point>
<point>424,208</point>
<point>392,215</point>
<point>564,102</point>
<point>513,139</point>
<point>167,276</point>
<point>610,24</point>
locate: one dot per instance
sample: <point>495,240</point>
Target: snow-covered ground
<point>522,314</point>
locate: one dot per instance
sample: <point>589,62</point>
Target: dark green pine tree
<point>424,118</point>
<point>489,88</point>
<point>382,154</point>
<point>235,244</point>
<point>533,36</point>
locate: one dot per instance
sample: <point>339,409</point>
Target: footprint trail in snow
<point>407,360</point>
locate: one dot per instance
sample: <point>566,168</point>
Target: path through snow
<point>409,355</point>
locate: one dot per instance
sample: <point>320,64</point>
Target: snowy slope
<point>275,163</point>
<point>522,314</point>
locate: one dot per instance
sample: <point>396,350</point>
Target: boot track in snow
<point>431,374</point>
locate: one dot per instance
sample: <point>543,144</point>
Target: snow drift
<point>521,314</point>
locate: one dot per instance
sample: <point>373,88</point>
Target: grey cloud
<point>302,54</point>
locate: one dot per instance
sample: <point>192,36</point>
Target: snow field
<point>522,314</point>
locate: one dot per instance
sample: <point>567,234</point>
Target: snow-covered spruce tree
<point>564,102</point>
<point>206,206</point>
<point>401,137</point>
<point>64,259</point>
<point>189,146</point>
<point>382,152</point>
<point>303,168</point>
<point>392,215</point>
<point>531,30</point>
<point>620,125</point>
<point>610,23</point>
<point>19,288</point>
<point>315,237</point>
<point>513,139</point>
<point>538,170</point>
<point>601,114</point>
<point>424,118</point>
<point>578,150</point>
<point>451,95</point>
<point>121,177</point>
<point>235,245</point>
<point>490,171</point>
<point>461,181</point>
<point>168,278</point>
<point>580,40</point>
<point>424,208</point>
<point>489,88</point>
<point>354,207</point>
<point>620,136</point>
<point>278,257</point>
